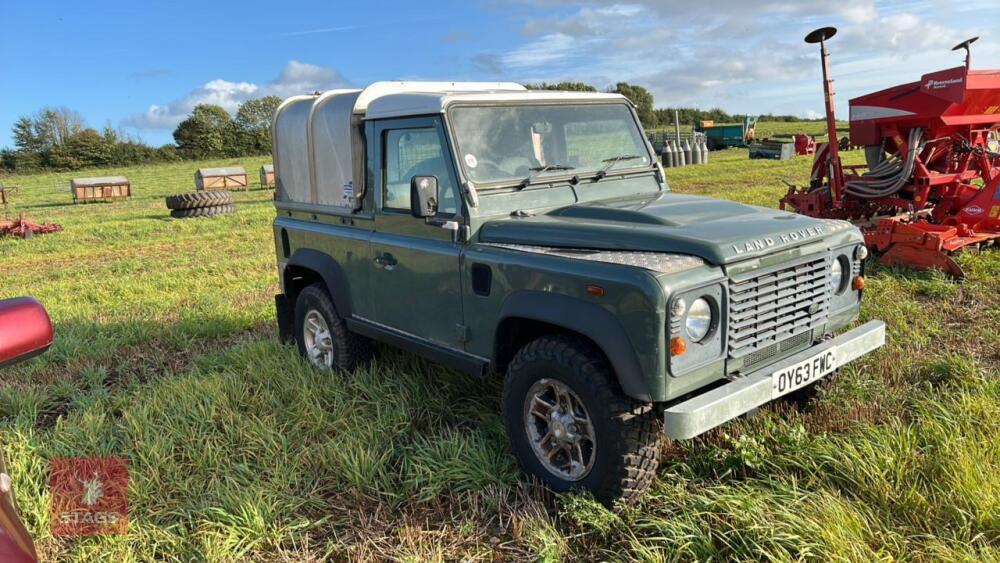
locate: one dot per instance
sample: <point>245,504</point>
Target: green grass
<point>165,352</point>
<point>765,129</point>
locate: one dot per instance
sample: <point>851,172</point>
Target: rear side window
<point>416,152</point>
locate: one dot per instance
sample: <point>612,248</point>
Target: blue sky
<point>141,66</point>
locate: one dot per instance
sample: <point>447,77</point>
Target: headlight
<point>699,319</point>
<point>837,275</point>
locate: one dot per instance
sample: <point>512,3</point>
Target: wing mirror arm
<point>424,205</point>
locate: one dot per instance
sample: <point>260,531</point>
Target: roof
<point>267,168</point>
<point>100,181</point>
<point>223,171</point>
<point>380,89</point>
<point>424,103</point>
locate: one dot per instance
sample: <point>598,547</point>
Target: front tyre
<point>571,425</point>
<point>322,336</point>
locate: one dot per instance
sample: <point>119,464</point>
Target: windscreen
<point>504,144</point>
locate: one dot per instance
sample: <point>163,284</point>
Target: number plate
<point>803,373</point>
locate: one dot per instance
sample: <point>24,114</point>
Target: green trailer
<point>729,135</point>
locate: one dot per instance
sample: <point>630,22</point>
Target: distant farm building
<point>228,178</point>
<point>267,176</point>
<point>102,188</point>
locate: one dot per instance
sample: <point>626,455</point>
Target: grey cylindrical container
<point>668,155</point>
<point>704,151</point>
<point>695,152</point>
<point>679,155</point>
<point>687,152</point>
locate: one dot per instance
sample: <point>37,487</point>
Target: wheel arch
<point>306,267</point>
<point>527,315</point>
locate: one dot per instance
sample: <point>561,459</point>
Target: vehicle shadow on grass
<point>88,356</point>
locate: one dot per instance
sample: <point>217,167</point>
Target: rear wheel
<point>571,425</point>
<point>322,336</point>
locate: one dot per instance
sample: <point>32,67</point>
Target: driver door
<point>415,282</point>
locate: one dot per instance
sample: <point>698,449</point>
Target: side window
<point>416,152</point>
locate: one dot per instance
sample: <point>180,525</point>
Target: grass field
<point>765,129</point>
<point>166,353</point>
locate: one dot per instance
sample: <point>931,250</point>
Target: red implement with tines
<point>23,228</point>
<point>931,186</point>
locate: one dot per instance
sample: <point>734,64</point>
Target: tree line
<point>60,139</point>
<point>659,117</point>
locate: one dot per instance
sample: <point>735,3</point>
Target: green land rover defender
<point>531,235</point>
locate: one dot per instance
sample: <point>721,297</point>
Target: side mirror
<point>424,196</point>
<point>25,330</point>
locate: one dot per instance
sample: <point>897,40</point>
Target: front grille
<point>766,353</point>
<point>781,303</point>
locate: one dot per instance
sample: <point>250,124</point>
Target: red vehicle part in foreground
<point>931,186</point>
<point>25,331</point>
<point>805,144</point>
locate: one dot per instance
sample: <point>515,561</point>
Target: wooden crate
<point>267,176</point>
<point>229,178</point>
<point>105,188</point>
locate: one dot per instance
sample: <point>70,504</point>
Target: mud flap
<point>286,318</point>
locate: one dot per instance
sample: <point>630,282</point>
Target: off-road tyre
<point>349,350</point>
<point>196,200</point>
<point>203,211</point>
<point>628,433</point>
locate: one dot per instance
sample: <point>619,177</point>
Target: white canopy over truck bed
<point>318,142</point>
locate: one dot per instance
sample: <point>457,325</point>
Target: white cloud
<point>743,56</point>
<point>300,78</point>
<point>295,78</point>
<point>546,50</point>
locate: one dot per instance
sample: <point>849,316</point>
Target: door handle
<point>386,260</point>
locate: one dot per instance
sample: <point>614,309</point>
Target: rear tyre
<point>203,211</point>
<point>570,424</point>
<point>195,200</point>
<point>322,335</point>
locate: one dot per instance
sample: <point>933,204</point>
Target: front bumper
<point>708,410</point>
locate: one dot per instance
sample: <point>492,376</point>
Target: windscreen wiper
<point>535,171</point>
<point>613,161</point>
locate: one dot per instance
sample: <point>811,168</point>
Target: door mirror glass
<point>424,196</point>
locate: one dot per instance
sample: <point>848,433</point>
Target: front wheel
<point>571,425</point>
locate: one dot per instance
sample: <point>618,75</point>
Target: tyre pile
<point>200,204</point>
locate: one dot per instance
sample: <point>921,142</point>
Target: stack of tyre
<point>200,204</point>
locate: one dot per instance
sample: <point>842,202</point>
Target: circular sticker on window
<point>470,161</point>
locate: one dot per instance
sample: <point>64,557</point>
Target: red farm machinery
<point>931,186</point>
